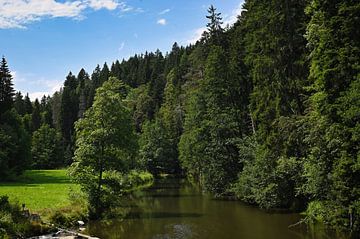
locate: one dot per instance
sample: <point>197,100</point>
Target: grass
<point>40,189</point>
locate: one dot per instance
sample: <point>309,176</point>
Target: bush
<point>14,225</point>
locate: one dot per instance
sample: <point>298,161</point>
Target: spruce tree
<point>19,103</point>
<point>28,105</point>
<point>6,87</point>
<point>36,116</point>
<point>332,167</point>
<point>69,109</point>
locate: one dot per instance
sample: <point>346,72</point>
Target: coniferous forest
<point>266,110</point>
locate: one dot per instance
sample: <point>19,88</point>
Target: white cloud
<point>162,21</point>
<point>164,11</point>
<point>122,45</point>
<point>51,87</point>
<point>107,4</point>
<point>232,18</point>
<point>36,88</point>
<point>19,13</point>
<point>196,35</point>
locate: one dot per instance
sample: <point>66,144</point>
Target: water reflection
<point>174,209</point>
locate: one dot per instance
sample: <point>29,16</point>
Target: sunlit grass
<point>40,189</point>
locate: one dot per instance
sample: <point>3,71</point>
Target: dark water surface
<point>174,209</point>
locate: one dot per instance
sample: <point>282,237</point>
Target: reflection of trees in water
<point>160,202</point>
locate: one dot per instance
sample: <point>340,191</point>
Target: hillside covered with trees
<point>267,110</point>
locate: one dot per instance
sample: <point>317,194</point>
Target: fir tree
<point>6,87</point>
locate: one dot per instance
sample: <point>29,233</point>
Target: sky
<point>43,40</point>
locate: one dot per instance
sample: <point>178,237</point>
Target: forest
<point>266,110</point>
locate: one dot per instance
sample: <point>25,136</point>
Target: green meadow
<point>40,189</point>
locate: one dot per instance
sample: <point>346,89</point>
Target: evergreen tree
<point>83,91</point>
<point>69,109</point>
<point>56,109</point>
<point>36,116</point>
<point>275,56</point>
<point>104,74</point>
<point>214,27</point>
<point>332,168</point>
<point>19,103</point>
<point>6,87</point>
<point>46,148</point>
<point>28,105</point>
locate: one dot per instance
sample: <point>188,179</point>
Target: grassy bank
<point>40,189</point>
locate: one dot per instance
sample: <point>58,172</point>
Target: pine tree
<point>214,26</point>
<point>6,87</point>
<point>104,74</point>
<point>332,167</point>
<point>19,103</point>
<point>36,116</point>
<point>69,108</point>
<point>28,105</point>
<point>83,91</point>
<point>276,58</point>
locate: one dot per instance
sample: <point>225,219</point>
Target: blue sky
<point>43,40</point>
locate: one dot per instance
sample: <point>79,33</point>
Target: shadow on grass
<point>37,177</point>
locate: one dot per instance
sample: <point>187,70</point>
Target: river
<point>174,209</point>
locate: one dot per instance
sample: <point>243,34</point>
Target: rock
<point>81,223</point>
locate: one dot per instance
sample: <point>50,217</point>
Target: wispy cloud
<point>164,11</point>
<point>19,13</point>
<point>36,88</point>
<point>196,35</point>
<point>107,4</point>
<point>162,21</point>
<point>51,87</point>
<point>121,47</point>
<point>232,18</point>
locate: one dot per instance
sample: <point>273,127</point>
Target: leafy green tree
<point>105,145</point>
<point>46,148</point>
<point>193,140</point>
<point>157,153</point>
<point>221,119</point>
<point>15,145</point>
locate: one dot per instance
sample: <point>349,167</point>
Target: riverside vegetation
<point>267,110</point>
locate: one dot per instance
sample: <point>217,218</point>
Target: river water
<point>175,209</point>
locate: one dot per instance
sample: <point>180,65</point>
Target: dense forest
<point>267,110</point>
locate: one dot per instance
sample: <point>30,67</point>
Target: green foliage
<point>14,225</point>
<point>15,145</point>
<point>6,87</point>
<point>157,152</point>
<point>105,147</point>
<point>46,148</point>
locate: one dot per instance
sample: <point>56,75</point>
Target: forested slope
<point>267,109</point>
